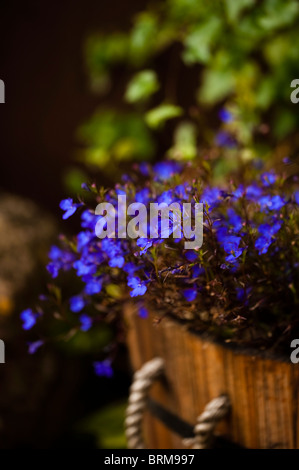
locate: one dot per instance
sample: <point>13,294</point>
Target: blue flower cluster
<point>245,235</point>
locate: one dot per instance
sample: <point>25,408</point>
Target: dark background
<point>47,97</point>
<point>47,93</point>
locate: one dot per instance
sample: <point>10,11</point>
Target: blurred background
<point>90,88</point>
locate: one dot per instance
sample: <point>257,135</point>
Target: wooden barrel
<point>263,391</point>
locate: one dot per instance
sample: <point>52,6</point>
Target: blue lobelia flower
<point>163,171</point>
<point>268,230</point>
<point>268,179</point>
<point>86,322</point>
<point>89,220</point>
<point>224,139</point>
<point>182,191</point>
<point>230,244</point>
<point>225,115</point>
<point>60,259</point>
<point>117,262</point>
<point>28,318</point>
<point>113,250</point>
<point>191,255</point>
<point>197,270</point>
<point>103,368</point>
<point>243,293</point>
<point>69,207</point>
<point>77,303</point>
<point>93,284</point>
<point>166,196</point>
<point>211,196</point>
<point>130,268</point>
<point>142,311</point>
<point>84,267</point>
<point>143,196</point>
<point>296,196</point>
<point>144,244</point>
<point>262,244</point>
<point>138,286</point>
<point>272,203</point>
<point>253,192</point>
<point>234,220</point>
<point>83,238</point>
<point>190,294</point>
<point>239,192</point>
<point>33,347</point>
<point>144,168</point>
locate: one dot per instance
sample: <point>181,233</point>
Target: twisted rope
<point>215,410</point>
<point>142,382</point>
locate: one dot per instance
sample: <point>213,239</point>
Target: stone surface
<point>25,235</point>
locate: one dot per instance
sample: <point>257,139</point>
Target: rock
<point>25,235</point>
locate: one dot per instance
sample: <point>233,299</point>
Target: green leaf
<point>143,38</point>
<point>265,92</point>
<point>184,147</point>
<point>142,86</point>
<point>73,179</point>
<point>114,291</point>
<point>104,51</point>
<point>285,123</point>
<point>111,134</point>
<point>217,85</point>
<point>88,343</point>
<point>107,424</point>
<point>235,7</point>
<point>279,14</point>
<point>198,43</point>
<point>156,117</point>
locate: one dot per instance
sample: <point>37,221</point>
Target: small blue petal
<point>103,368</point>
<point>225,115</point>
<point>143,312</point>
<point>33,347</point>
<point>29,318</point>
<point>77,303</point>
<point>86,322</point>
<point>190,294</point>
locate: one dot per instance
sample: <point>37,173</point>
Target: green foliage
<point>81,343</point>
<point>142,86</point>
<point>73,180</point>
<point>158,116</point>
<point>243,53</point>
<point>107,425</point>
<point>111,136</point>
<point>184,147</point>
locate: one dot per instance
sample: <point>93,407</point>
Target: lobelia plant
<point>241,285</point>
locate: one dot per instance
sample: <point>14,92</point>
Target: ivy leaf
<point>142,86</point>
<point>198,43</point>
<point>279,15</point>
<point>234,9</point>
<point>143,38</point>
<point>156,117</point>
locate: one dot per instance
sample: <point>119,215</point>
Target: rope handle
<point>143,379</point>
